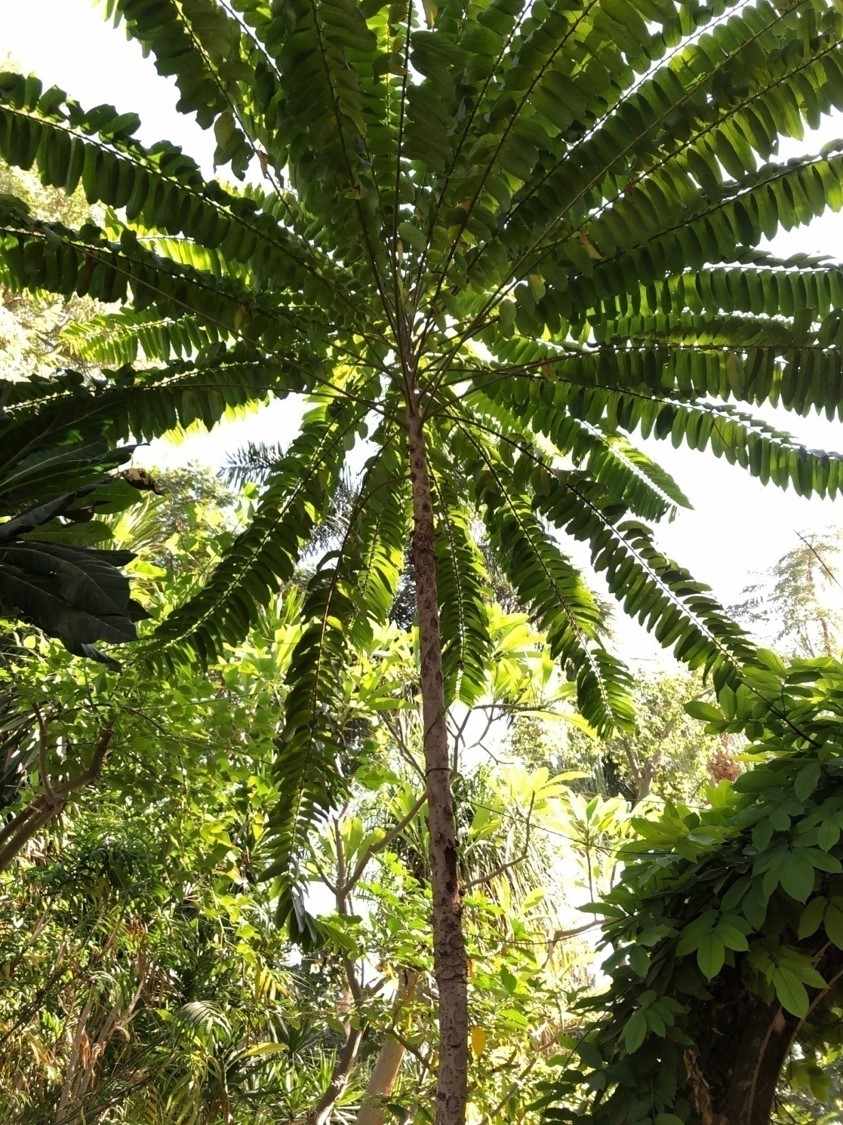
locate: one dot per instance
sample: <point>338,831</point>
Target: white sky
<point>738,527</point>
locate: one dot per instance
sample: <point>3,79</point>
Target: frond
<point>212,70</point>
<point>252,462</point>
<point>149,403</point>
<point>762,285</point>
<point>121,338</point>
<point>679,611</point>
<point>159,187</point>
<point>351,591</point>
<point>596,447</point>
<point>547,581</point>
<point>53,258</point>
<point>777,195</point>
<point>588,397</point>
<point>333,118</point>
<point>464,593</point>
<point>265,555</point>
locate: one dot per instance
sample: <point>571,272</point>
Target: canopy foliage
<point>726,926</point>
<point>535,222</point>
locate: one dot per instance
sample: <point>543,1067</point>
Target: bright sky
<point>738,527</point>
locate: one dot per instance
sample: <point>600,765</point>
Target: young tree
<point>495,239</point>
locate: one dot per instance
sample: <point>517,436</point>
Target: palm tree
<point>494,239</point>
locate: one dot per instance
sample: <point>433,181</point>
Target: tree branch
<point>512,862</point>
<point>385,841</point>
<point>24,825</point>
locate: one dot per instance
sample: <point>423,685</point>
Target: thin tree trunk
<point>16,834</point>
<point>389,1059</point>
<point>321,1112</point>
<point>449,957</point>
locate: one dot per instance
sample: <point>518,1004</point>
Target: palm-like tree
<point>494,238</point>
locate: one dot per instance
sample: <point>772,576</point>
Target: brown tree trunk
<point>388,1062</point>
<point>449,957</point>
<point>324,1108</point>
<point>16,834</point>
<point>747,1040</point>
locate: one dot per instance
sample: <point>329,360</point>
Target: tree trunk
<point>389,1059</point>
<point>449,957</point>
<point>322,1111</point>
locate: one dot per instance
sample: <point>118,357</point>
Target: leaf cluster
<point>740,898</point>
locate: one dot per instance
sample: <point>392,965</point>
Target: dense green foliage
<point>525,233</point>
<point>143,976</point>
<point>716,904</point>
<point>527,218</point>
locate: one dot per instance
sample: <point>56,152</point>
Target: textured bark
<point>449,957</point>
<point>389,1060</point>
<point>741,1060</point>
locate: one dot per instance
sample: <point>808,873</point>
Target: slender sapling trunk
<point>389,1059</point>
<point>449,956</point>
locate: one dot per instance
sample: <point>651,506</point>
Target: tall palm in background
<point>494,239</point>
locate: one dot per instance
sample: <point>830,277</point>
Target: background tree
<point>496,240</point>
<point>666,754</point>
<point>796,605</point>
